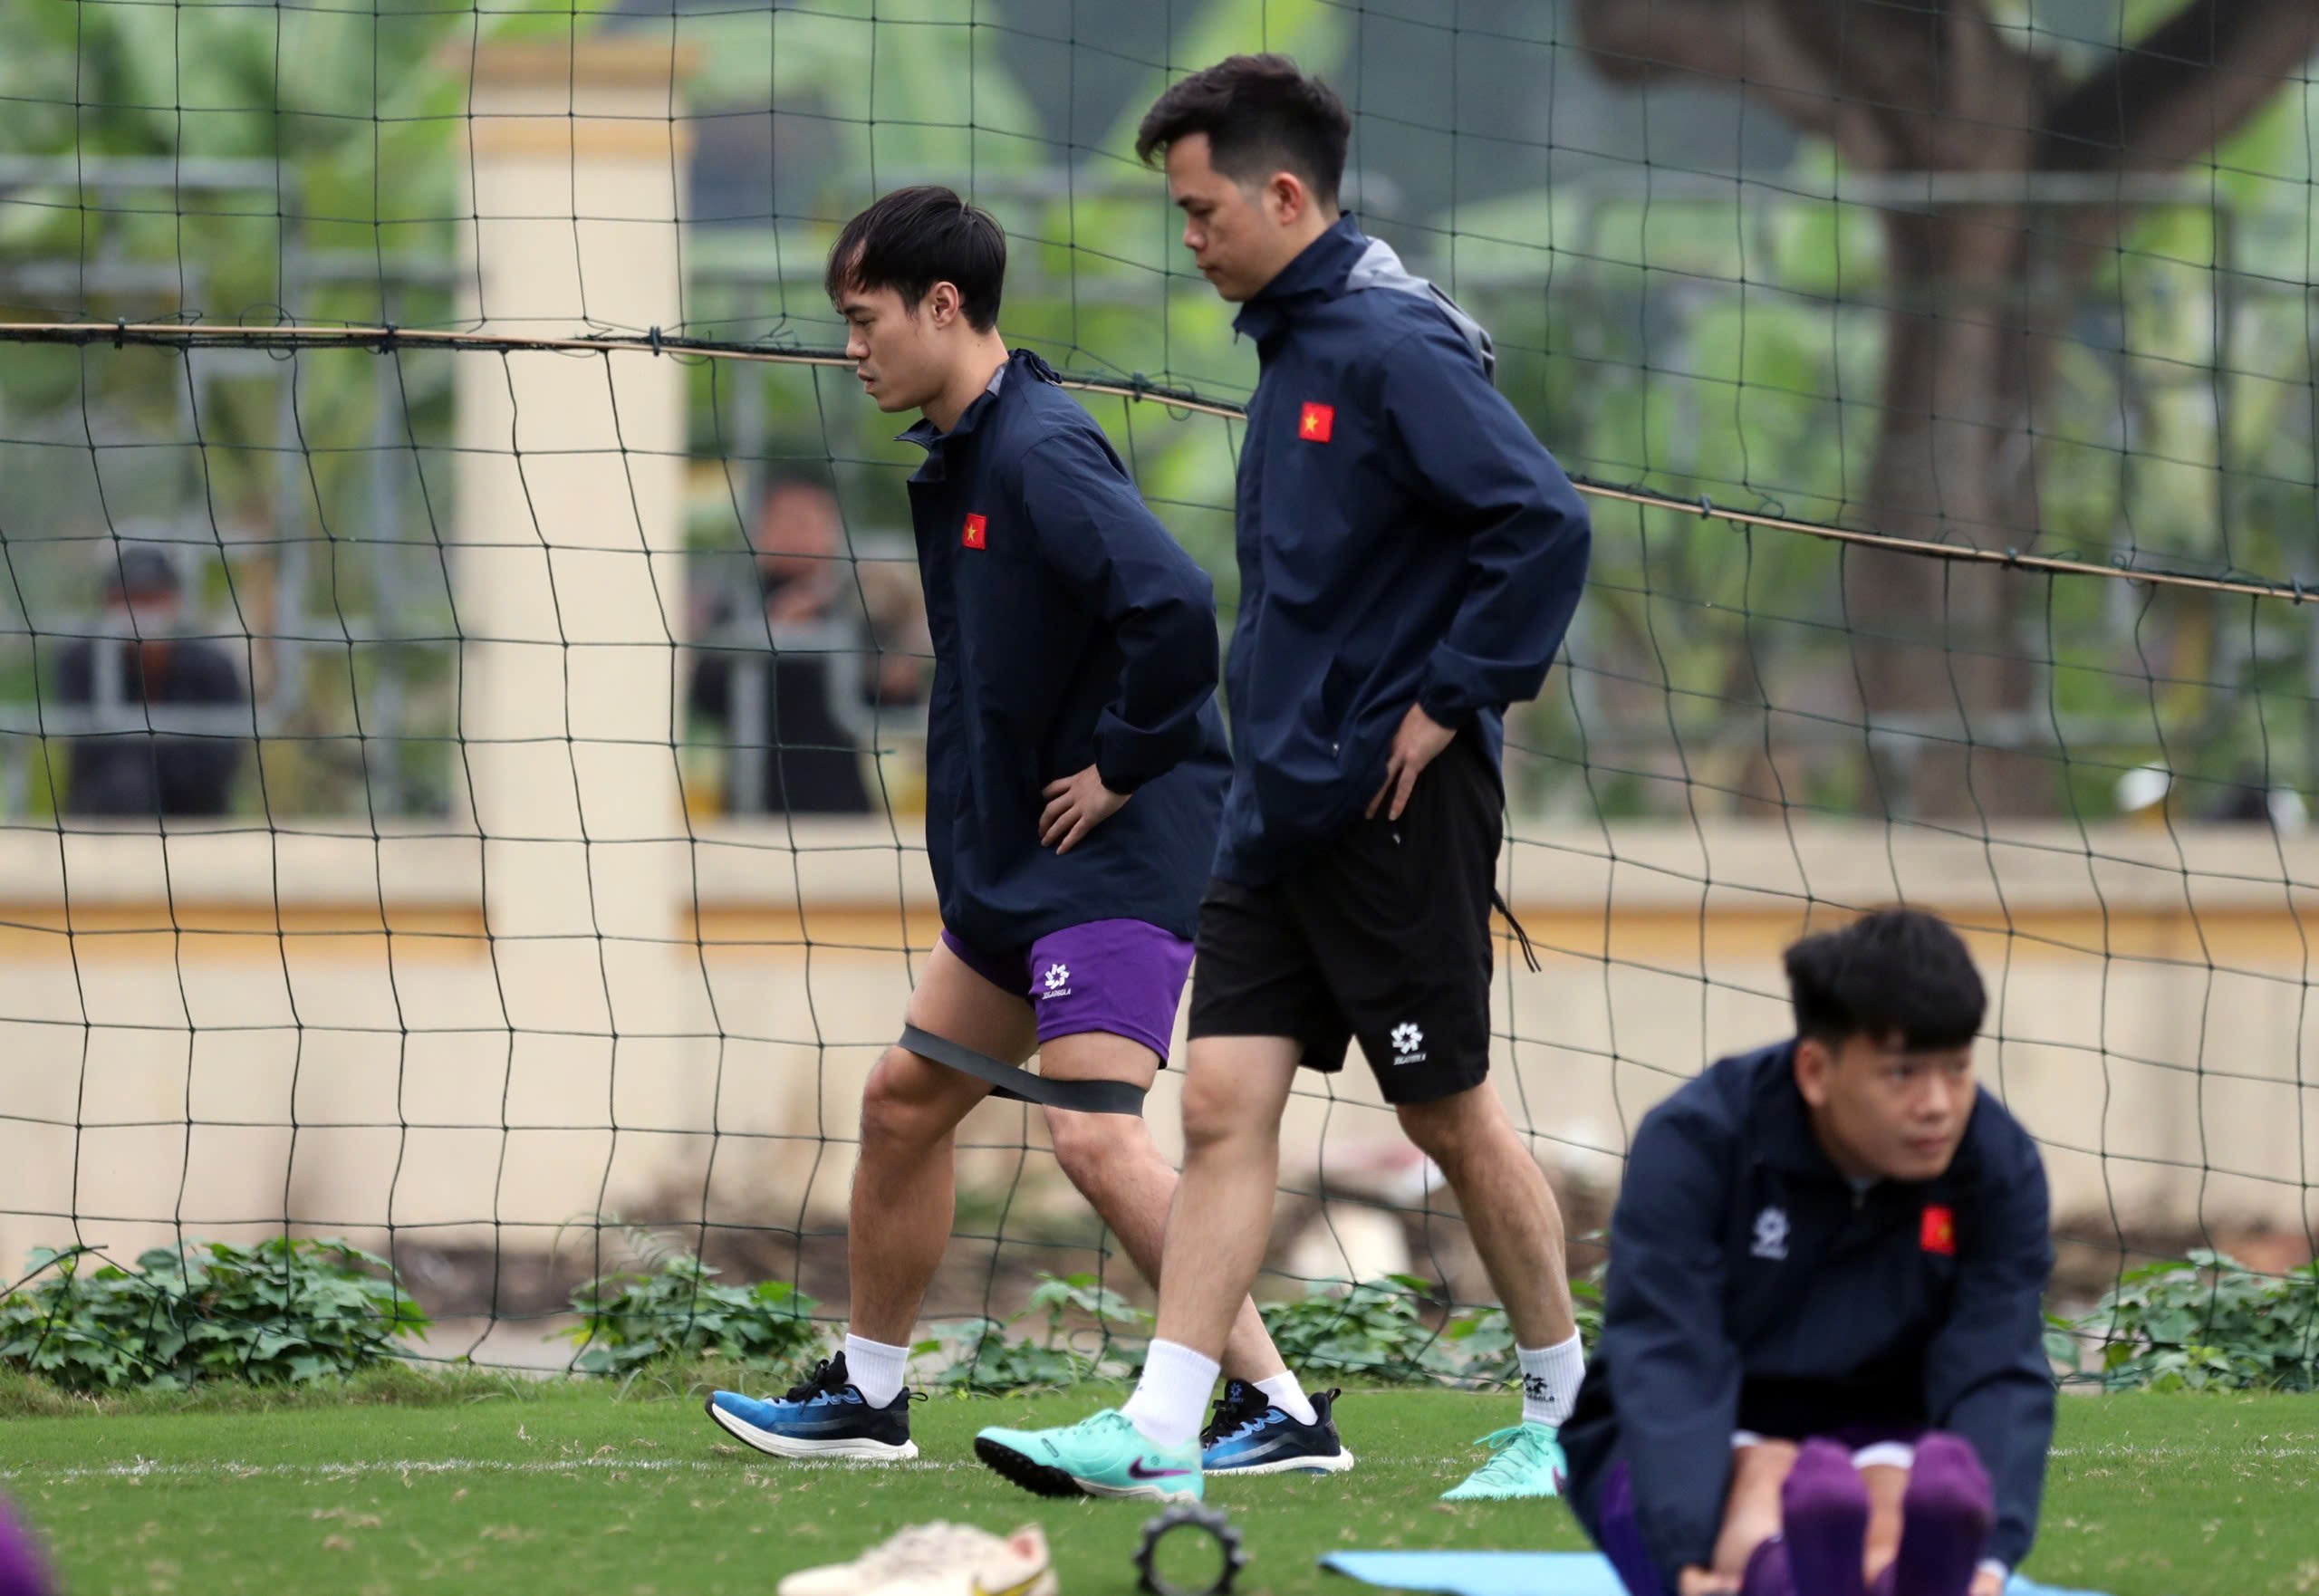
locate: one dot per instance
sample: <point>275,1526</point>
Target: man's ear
<point>944,303</point>
<point>1287,197</point>
<point>1813,1061</point>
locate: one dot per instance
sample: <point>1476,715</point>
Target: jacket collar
<point>1022,366</point>
<point>1318,271</point>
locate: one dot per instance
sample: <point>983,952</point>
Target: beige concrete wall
<point>227,1028</point>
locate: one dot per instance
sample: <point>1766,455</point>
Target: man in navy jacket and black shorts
<point>1409,559</point>
<point>1075,766</point>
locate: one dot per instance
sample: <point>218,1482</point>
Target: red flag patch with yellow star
<point>1316,423</point>
<point>1938,1231</point>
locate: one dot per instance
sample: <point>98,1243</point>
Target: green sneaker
<point>1526,1461</point>
<point>1105,1456</point>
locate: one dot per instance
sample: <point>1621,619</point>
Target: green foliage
<point>1383,1331</point>
<point>289,1311</point>
<point>664,1303</point>
<point>1374,1331</point>
<point>2208,1323</point>
<point>983,1361</point>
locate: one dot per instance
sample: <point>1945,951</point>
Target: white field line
<point>146,1467</point>
<point>2129,1450</point>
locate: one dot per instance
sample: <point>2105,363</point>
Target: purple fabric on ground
<point>1823,1515</point>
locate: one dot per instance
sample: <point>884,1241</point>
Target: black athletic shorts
<point>1382,937</point>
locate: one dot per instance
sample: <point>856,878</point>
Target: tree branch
<point>1744,43</point>
<point>2183,88</point>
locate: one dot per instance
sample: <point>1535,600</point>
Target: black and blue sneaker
<point>1247,1434</point>
<point>826,1416</point>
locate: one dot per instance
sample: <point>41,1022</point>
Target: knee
<point>1451,1131</point>
<point>1217,1114</point>
<point>1089,1148</point>
<point>1947,1482</point>
<point>1822,1480</point>
<point>901,1111</point>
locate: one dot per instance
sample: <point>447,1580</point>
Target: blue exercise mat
<point>1523,1573</point>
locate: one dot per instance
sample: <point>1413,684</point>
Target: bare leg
<point>1508,1207</point>
<point>905,1189</point>
<point>1236,1089</point>
<point>1886,1484</point>
<point>1114,1162</point>
<point>1751,1509</point>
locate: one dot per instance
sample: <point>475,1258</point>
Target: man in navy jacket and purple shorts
<point>1076,769</point>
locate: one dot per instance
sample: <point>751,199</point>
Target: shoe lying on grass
<point>938,1559</point>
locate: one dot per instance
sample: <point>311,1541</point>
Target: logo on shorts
<point>1407,1039</point>
<point>1771,1235</point>
<point>1058,980</point>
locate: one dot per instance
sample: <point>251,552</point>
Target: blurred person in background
<point>841,634</point>
<point>143,660</point>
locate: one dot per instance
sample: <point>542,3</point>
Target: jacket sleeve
<point>1987,1376</point>
<point>1674,1374</point>
<point>1096,534</point>
<point>1528,531</point>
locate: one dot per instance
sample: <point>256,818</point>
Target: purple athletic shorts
<point>1121,976</point>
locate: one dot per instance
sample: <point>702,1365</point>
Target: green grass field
<point>496,1486</point>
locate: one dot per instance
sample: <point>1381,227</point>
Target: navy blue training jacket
<point>1402,539</point>
<point>1751,1287</point>
<point>1069,629</point>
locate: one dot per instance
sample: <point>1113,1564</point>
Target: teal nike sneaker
<point>1526,1460</point>
<point>1105,1456</point>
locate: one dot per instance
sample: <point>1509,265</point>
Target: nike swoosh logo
<point>1136,1471</point>
<point>1020,1588</point>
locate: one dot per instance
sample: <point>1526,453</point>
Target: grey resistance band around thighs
<point>1005,1080</point>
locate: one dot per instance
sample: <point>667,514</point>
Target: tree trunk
<point>1945,651</point>
<point>1946,654</point>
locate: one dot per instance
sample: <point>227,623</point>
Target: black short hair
<point>1261,116</point>
<point>783,479</point>
<point>138,571</point>
<point>1895,972</point>
<point>915,237</point>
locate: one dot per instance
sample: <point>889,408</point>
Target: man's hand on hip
<point>1417,741</point>
<point>1696,1580</point>
<point>1076,806</point>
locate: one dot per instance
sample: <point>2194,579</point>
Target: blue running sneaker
<point>826,1416</point>
<point>1248,1434</point>
<point>1105,1456</point>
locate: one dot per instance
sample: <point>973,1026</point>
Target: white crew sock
<point>876,1370</point>
<point>1284,1392</point>
<point>1172,1394</point>
<point>1549,1377</point>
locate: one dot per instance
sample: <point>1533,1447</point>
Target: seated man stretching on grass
<point>1074,783</point>
<point>1822,1369</point>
